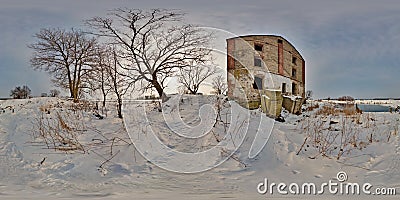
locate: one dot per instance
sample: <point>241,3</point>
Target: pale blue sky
<point>351,47</point>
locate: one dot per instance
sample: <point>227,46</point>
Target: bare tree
<point>109,77</point>
<point>118,83</point>
<point>155,44</point>
<point>67,56</point>
<point>219,85</point>
<point>102,69</point>
<point>20,92</point>
<point>192,76</point>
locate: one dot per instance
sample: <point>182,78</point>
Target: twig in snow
<point>234,158</point>
<point>109,159</point>
<point>41,162</point>
<point>302,146</point>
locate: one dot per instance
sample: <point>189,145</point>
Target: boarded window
<point>283,88</point>
<point>294,89</point>
<point>294,73</point>
<point>257,83</point>
<point>257,62</point>
<point>294,60</point>
<point>258,47</point>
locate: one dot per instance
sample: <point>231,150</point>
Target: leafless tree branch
<point>155,44</point>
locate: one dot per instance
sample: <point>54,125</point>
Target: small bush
<point>312,107</point>
<point>59,132</point>
<point>328,110</point>
<point>350,110</point>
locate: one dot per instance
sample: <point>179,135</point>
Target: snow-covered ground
<point>103,164</point>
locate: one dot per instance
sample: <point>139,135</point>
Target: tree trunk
<point>192,91</point>
<point>75,95</point>
<point>71,92</point>
<point>104,95</point>
<point>119,107</point>
<point>102,87</point>
<point>159,89</point>
<point>104,100</point>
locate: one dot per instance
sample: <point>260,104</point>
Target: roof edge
<point>267,35</point>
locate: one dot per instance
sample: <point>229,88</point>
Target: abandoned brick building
<point>265,71</point>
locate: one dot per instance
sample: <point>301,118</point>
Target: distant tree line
<point>346,98</point>
<point>24,92</point>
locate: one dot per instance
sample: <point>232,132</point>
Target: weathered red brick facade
<point>259,62</point>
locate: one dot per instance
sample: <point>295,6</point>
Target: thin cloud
<point>350,47</point>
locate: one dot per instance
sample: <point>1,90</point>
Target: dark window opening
<point>280,41</point>
<point>294,60</point>
<point>257,62</point>
<point>258,47</point>
<point>294,73</point>
<point>257,83</point>
<point>293,88</point>
<point>283,88</point>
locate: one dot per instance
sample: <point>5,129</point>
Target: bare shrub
<point>219,104</point>
<point>349,137</point>
<point>59,131</point>
<point>83,106</point>
<point>45,108</point>
<point>318,136</point>
<point>312,107</point>
<point>349,110</point>
<point>333,132</point>
<point>328,110</point>
<point>394,130</point>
